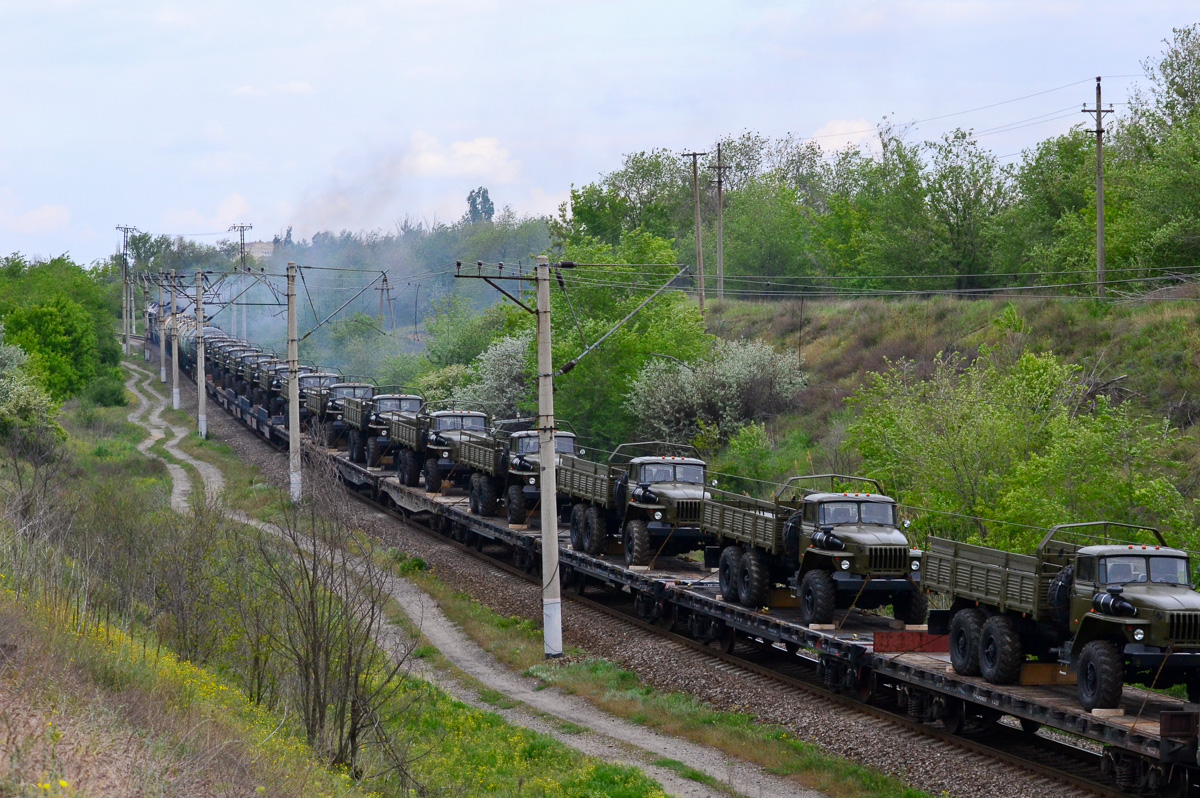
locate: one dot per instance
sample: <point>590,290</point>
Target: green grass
<point>688,772</point>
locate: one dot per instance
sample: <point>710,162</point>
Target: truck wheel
<point>595,531</point>
<point>817,597</point>
<point>754,579</point>
<point>473,494</point>
<point>965,628</point>
<point>1101,675</point>
<point>487,496</point>
<point>433,476</point>
<point>1000,654</point>
<point>514,505</point>
<point>331,434</point>
<point>728,567</point>
<point>577,512</point>
<point>360,447</point>
<point>637,543</point>
<point>374,451</point>
<point>412,469</point>
<point>912,607</point>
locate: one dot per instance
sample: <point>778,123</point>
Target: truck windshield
<point>357,391</point>
<point>669,472</point>
<point>459,422</point>
<point>528,444</point>
<point>384,405</point>
<point>834,513</point>
<point>410,405</point>
<point>1128,569</point>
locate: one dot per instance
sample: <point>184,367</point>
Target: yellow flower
<point>63,784</point>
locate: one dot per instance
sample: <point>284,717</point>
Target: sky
<point>185,118</point>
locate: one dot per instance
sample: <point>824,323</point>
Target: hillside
<point>1143,352</point>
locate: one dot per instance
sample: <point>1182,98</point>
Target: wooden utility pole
<point>720,169</point>
<point>201,387</point>
<point>1099,112</point>
<point>548,484</point>
<point>699,244</point>
<point>293,388</point>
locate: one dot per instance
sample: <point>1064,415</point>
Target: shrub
<point>107,390</point>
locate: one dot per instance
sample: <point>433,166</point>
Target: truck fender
<point>811,559</point>
<point>1094,627</point>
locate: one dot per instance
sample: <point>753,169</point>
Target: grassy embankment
<point>81,689</point>
<point>1147,351</point>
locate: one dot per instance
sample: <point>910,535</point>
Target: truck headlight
<point>915,565</point>
<point>658,515</point>
<point>445,454</point>
<point>845,565</point>
<point>1139,635</point>
<point>533,480</point>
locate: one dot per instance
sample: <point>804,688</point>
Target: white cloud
<point>42,220</point>
<point>478,158</point>
<point>245,91</point>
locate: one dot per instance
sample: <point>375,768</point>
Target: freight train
<point>802,572</point>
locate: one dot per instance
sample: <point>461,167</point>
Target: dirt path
<point>540,710</point>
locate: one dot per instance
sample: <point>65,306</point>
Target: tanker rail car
<point>1147,743</point>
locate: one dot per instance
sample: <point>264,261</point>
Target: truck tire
<point>473,494</point>
<point>488,499</point>
<point>754,579</point>
<point>577,512</point>
<point>374,451</point>
<point>595,531</point>
<point>357,446</point>
<point>1000,654</point>
<point>728,567</point>
<point>412,469</point>
<point>817,597</point>
<point>331,434</point>
<point>1101,675</point>
<point>911,608</point>
<point>1058,597</point>
<point>433,476</point>
<point>637,543</point>
<point>965,628</point>
<point>514,505</point>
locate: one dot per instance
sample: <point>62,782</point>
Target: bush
<point>740,382</point>
<point>501,378</point>
<point>107,390</point>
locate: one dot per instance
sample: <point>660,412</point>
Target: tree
<point>60,340</point>
<point>479,206</point>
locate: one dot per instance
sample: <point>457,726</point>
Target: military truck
<point>312,382</point>
<point>246,370</point>
<point>506,465</point>
<point>367,438</point>
<point>834,549</point>
<point>326,402</point>
<point>270,386</point>
<point>429,442</point>
<point>1114,611</point>
<point>654,502</point>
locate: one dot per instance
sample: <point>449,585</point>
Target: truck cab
<point>660,500</point>
<point>443,434</point>
<point>852,552</point>
<point>523,473</point>
<point>326,403</point>
<point>367,426</point>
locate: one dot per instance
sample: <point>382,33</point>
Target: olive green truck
<point>834,549</point>
<point>1115,612</point>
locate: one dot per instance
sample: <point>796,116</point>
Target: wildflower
<point>62,783</point>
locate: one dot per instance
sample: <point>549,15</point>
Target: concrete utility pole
<point>201,388</point>
<point>293,356</point>
<point>241,228</point>
<point>551,591</point>
<point>146,310</point>
<point>125,301</point>
<point>1099,112</point>
<point>162,332</point>
<point>720,170</point>
<point>174,344</point>
<point>699,245</point>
